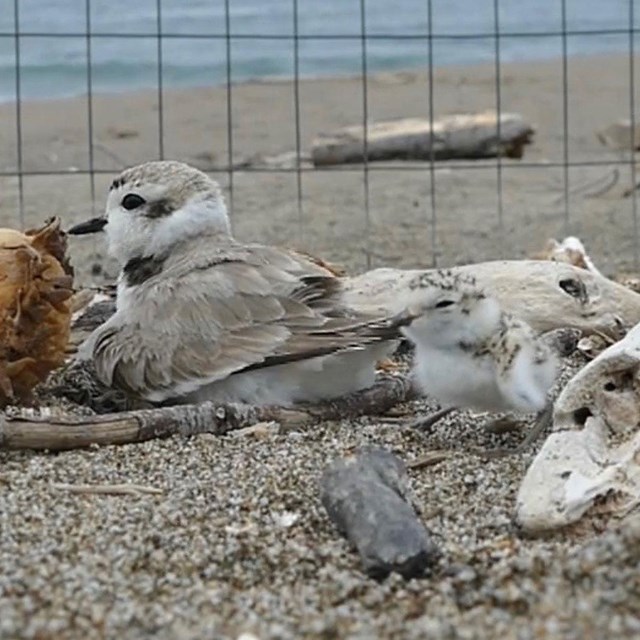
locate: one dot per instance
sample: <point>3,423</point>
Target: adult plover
<point>200,315</point>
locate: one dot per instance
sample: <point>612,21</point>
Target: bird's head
<point>154,206</point>
<point>452,309</point>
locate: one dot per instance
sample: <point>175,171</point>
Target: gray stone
<point>368,497</point>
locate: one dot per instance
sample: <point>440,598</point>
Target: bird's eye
<point>444,303</point>
<point>132,201</point>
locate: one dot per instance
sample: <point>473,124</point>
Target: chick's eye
<point>444,303</point>
<point>132,201</point>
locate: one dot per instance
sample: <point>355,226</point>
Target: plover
<point>202,316</point>
<point>470,354</point>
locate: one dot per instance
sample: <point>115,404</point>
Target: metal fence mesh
<point>100,161</point>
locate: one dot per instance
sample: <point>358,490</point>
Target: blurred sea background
<point>210,42</point>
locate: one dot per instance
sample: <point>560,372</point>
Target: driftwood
<point>454,136</point>
<point>548,295</point>
<point>60,433</point>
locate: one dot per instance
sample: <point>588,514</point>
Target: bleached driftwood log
<point>548,295</point>
<point>594,449</point>
<point>58,433</point>
<point>454,136</point>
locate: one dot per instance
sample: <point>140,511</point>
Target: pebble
<point>365,494</point>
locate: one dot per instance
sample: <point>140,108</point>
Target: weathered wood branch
<point>454,136</point>
<point>56,434</point>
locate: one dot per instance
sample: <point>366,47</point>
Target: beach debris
<point>285,519</point>
<point>260,430</point>
<point>430,459</point>
<point>22,430</point>
<point>592,457</point>
<point>593,345</point>
<point>486,134</point>
<point>557,295</point>
<point>283,160</point>
<point>570,251</point>
<point>368,498</point>
<point>108,489</point>
<point>629,280</point>
<point>36,284</point>
<point>622,135</point>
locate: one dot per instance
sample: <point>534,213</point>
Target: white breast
<point>457,379</point>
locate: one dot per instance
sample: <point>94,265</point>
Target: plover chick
<point>470,354</point>
<point>202,316</point>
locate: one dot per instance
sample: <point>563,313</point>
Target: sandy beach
<point>235,540</point>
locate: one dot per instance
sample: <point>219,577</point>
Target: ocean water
<point>53,50</point>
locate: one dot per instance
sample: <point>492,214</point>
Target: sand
<point>237,542</point>
<point>229,540</point>
<point>331,220</point>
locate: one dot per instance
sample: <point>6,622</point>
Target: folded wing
<point>241,309</point>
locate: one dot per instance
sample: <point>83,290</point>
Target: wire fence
<point>292,35</point>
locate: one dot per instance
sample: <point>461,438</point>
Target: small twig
<point>393,419</point>
<point>432,458</point>
<point>114,489</point>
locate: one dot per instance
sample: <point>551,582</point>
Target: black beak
<point>90,226</point>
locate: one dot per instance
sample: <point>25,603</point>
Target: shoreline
<point>421,69</point>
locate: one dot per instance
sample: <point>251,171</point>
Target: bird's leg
<point>426,422</point>
<point>542,421</point>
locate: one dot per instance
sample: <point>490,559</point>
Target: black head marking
<point>160,208</point>
<point>118,182</point>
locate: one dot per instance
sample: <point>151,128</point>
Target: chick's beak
<point>90,226</point>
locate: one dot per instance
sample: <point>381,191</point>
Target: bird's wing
<point>241,309</point>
